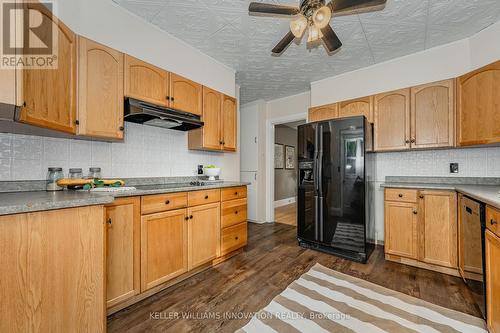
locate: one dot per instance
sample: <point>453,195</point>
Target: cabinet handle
<point>110,221</point>
<point>172,99</point>
<point>407,141</point>
<point>77,122</point>
<point>400,195</point>
<point>235,193</point>
<point>421,196</point>
<point>168,98</point>
<point>122,128</point>
<point>206,197</point>
<point>415,212</point>
<point>413,140</point>
<point>167,202</point>
<point>493,222</point>
<point>236,212</point>
<point>236,238</point>
<point>190,217</point>
<point>186,218</point>
<point>220,142</point>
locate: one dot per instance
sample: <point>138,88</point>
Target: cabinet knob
<point>220,142</point>
<point>421,196</point>
<point>415,212</point>
<point>407,141</point>
<point>172,99</point>
<point>77,122</point>
<point>190,217</point>
<point>493,222</point>
<point>400,195</point>
<point>168,98</point>
<point>236,212</point>
<point>122,128</point>
<point>235,193</point>
<point>109,221</point>
<point>167,202</point>
<point>236,238</point>
<point>206,197</point>
<point>186,218</point>
<point>413,140</point>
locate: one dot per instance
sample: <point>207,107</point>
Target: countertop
<point>24,202</point>
<point>488,194</point>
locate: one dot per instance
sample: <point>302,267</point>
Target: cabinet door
<point>324,112</point>
<point>123,219</point>
<point>392,121</point>
<point>478,109</point>
<point>146,82</point>
<point>492,252</point>
<point>49,95</point>
<point>163,247</point>
<point>437,232</point>
<point>357,107</point>
<point>100,90</point>
<point>185,95</point>
<point>203,234</point>
<point>209,137</point>
<point>433,115</point>
<point>401,229</point>
<point>229,123</point>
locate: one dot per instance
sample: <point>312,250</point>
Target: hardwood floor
<point>286,214</point>
<point>271,261</point>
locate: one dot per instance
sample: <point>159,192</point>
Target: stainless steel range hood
<point>140,112</point>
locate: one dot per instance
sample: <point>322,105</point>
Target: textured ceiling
<point>224,30</point>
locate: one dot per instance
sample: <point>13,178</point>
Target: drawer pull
<point>206,197</point>
<point>167,202</point>
<point>236,212</point>
<point>415,212</point>
<point>493,222</point>
<point>235,193</point>
<point>421,196</point>
<point>400,195</point>
<point>236,238</point>
<point>191,217</point>
<point>110,222</point>
<point>186,218</point>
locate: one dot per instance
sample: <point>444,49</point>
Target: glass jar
<point>75,173</point>
<point>94,173</point>
<point>53,175</point>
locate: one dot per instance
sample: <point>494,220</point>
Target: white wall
<point>107,23</point>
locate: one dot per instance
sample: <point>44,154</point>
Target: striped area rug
<point>323,300</point>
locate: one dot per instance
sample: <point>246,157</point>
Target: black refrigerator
<point>332,191</point>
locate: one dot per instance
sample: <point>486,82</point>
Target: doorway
<point>285,172</point>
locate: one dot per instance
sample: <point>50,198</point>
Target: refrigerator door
<point>341,189</point>
<point>307,199</point>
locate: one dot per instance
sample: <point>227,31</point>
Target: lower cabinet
<point>123,250</point>
<point>421,228</point>
<point>203,234</point>
<point>492,251</point>
<point>164,250</point>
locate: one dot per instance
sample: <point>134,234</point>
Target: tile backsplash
<point>473,162</point>
<point>146,152</point>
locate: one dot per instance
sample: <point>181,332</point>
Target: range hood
<point>140,112</point>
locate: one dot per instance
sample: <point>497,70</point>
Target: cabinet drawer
<point>162,202</point>
<point>401,194</point>
<point>492,220</point>
<point>203,197</point>
<point>233,238</point>
<point>234,212</point>
<point>233,193</point>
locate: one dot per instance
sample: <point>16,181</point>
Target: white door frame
<point>270,125</point>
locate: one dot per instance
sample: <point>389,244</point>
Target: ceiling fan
<point>314,16</point>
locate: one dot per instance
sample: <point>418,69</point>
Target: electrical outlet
<point>200,169</point>
<point>453,167</point>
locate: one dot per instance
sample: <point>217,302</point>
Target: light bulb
<point>298,26</point>
<point>322,17</point>
<point>314,33</point>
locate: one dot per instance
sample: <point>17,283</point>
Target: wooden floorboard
<point>271,261</point>
<point>286,214</point>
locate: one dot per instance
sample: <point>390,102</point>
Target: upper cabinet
<point>357,107</point>
<point>392,121</point>
<point>146,82</point>
<point>100,90</point>
<point>185,95</point>
<point>48,96</point>
<point>229,123</point>
<point>433,115</point>
<point>324,112</point>
<point>478,106</point>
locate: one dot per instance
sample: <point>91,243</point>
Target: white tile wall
<point>146,152</point>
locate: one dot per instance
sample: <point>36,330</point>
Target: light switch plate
<point>453,167</point>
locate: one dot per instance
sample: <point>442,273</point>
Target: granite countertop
<point>488,194</point>
<point>24,202</point>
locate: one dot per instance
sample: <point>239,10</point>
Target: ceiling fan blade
<point>346,7</point>
<point>330,39</point>
<point>283,44</point>
<point>270,9</point>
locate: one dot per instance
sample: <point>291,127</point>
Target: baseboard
<point>284,202</point>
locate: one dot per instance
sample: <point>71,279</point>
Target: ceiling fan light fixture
<point>298,26</point>
<point>322,17</point>
<point>314,34</point>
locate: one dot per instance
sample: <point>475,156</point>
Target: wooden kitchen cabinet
<point>208,137</point>
<point>164,247</point>
<point>324,112</point>
<point>203,234</point>
<point>478,106</point>
<point>433,115</point>
<point>438,228</point>
<point>401,229</point>
<point>492,257</point>
<point>146,82</point>
<point>123,250</point>
<point>392,121</point>
<point>53,271</point>
<point>185,95</point>
<point>357,107</point>
<point>100,90</point>
<point>229,123</point>
<point>49,95</point>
